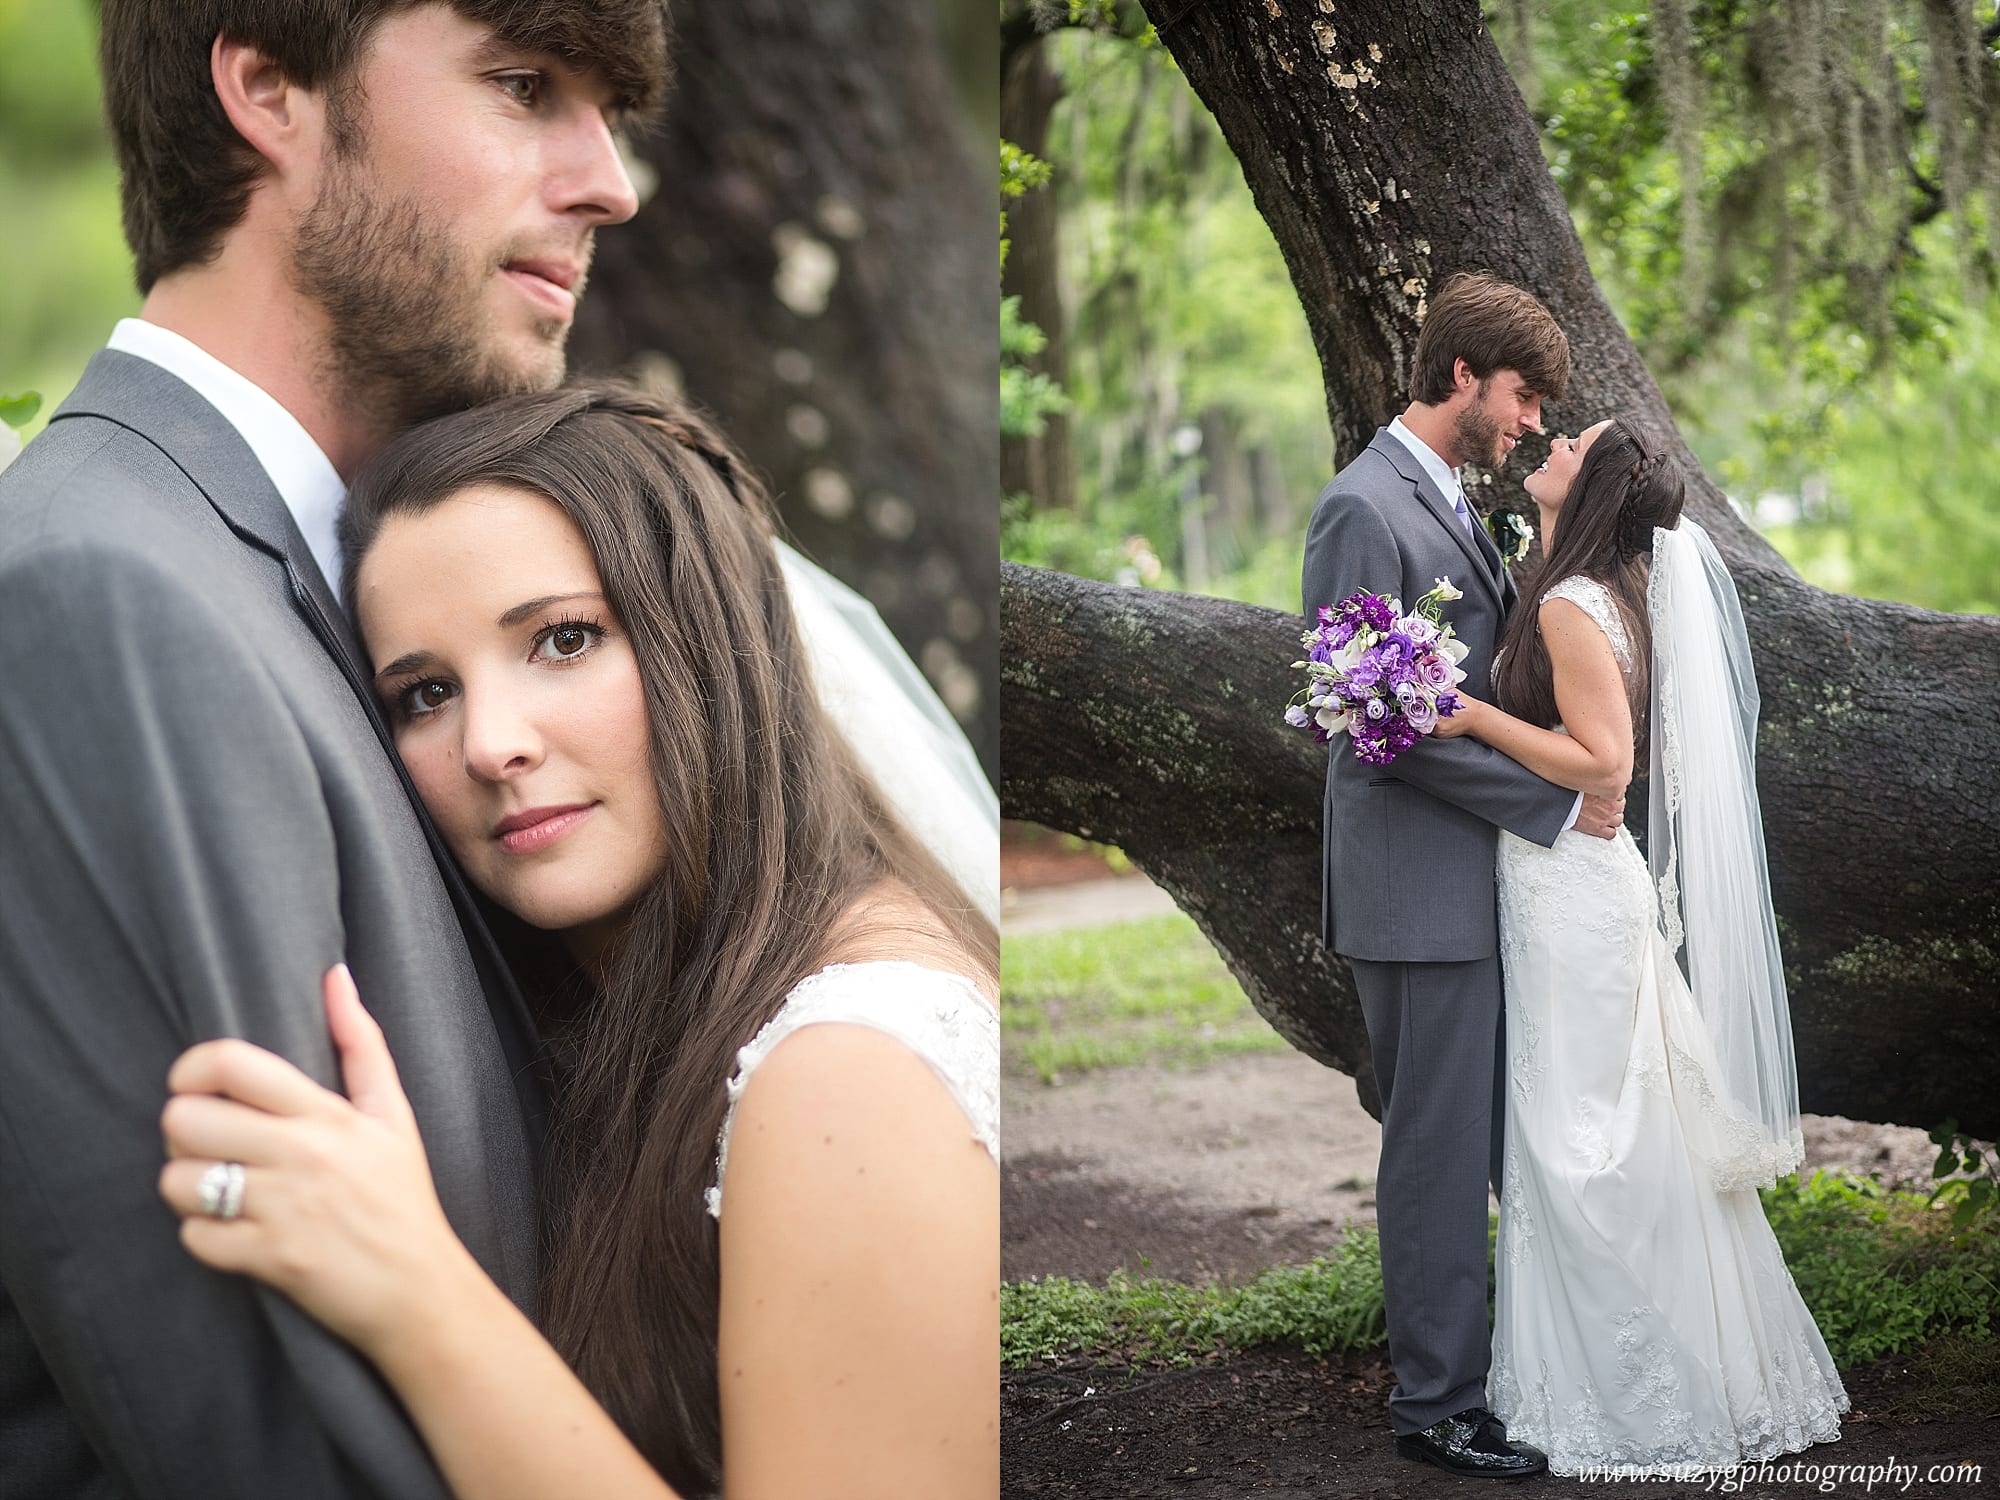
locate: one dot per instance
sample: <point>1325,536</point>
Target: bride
<point>1645,1318</point>
<point>773,1249</point>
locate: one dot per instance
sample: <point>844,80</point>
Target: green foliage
<point>1882,1271</point>
<point>19,411</point>
<point>1026,396</point>
<point>69,276</point>
<point>1810,157</point>
<point>48,82</point>
<point>1019,173</point>
<point>1331,1304</point>
<point>1967,1177</point>
<point>1183,314</point>
<point>1146,991</point>
<point>1829,353</point>
<point>1903,477</point>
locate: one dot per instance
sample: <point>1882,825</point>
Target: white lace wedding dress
<point>1645,1318</point>
<point>939,1016</point>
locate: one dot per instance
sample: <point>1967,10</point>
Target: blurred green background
<point>1820,309</point>
<point>69,275</point>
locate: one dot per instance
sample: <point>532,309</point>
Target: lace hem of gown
<point>1579,1438</point>
<point>940,1016</point>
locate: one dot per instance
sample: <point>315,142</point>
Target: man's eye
<point>523,88</point>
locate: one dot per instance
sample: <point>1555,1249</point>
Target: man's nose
<point>1531,414</point>
<point>595,185</point>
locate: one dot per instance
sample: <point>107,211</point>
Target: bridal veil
<point>1706,848</point>
<point>904,737</point>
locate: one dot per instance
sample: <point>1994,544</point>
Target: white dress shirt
<point>304,476</point>
<point>1442,474</point>
<point>1447,482</point>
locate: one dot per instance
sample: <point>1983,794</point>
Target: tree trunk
<point>1042,465</point>
<point>1386,146</point>
<point>817,267</point>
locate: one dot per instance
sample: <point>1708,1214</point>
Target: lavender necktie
<point>1464,514</point>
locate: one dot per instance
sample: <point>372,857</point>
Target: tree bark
<point>817,267</point>
<point>1387,147</point>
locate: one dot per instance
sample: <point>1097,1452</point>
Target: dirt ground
<point>1277,1422</point>
<point>1221,1172</point>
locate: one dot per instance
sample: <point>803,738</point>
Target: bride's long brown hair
<point>774,834</point>
<point>1626,485</point>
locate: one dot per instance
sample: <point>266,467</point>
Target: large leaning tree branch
<point>1387,147</point>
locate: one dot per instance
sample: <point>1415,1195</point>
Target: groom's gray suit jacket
<point>1410,847</point>
<point>199,814</point>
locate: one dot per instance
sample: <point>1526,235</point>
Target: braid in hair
<point>685,424</point>
<point>1635,510</point>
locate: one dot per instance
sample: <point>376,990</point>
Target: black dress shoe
<point>1474,1445</point>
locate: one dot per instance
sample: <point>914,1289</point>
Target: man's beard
<point>409,336</point>
<point>1477,434</point>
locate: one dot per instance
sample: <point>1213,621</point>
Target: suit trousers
<point>1435,1030</point>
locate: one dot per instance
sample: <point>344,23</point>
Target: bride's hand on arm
<point>339,1213</point>
<point>1595,756</point>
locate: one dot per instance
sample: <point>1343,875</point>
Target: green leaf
<point>1947,1163</point>
<point>19,411</point>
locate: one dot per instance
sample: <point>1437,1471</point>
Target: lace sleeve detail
<point>1595,600</point>
<point>939,1016</point>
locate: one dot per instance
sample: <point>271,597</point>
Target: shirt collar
<point>1437,468</point>
<point>301,472</point>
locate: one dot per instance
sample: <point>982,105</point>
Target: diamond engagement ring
<point>221,1190</point>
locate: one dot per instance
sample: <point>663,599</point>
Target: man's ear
<point>280,121</point>
<point>1462,377</point>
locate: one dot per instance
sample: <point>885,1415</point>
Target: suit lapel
<point>1405,463</point>
<point>143,398</point>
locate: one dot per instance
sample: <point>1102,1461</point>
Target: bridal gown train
<point>1645,1317</point>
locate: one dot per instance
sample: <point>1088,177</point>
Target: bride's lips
<point>539,827</point>
<point>548,283</point>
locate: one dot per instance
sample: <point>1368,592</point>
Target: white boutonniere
<point>1511,533</point>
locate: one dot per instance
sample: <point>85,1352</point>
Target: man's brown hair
<point>1491,325</point>
<point>187,174</point>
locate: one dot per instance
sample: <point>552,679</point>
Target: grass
<point>1331,1304</point>
<point>1151,991</point>
<point>1882,1272</point>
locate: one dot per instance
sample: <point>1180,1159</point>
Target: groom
<point>346,215</point>
<point>1409,894</point>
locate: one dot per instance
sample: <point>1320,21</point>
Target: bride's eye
<point>566,640</point>
<point>421,699</point>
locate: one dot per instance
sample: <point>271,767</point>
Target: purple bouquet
<point>1383,676</point>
